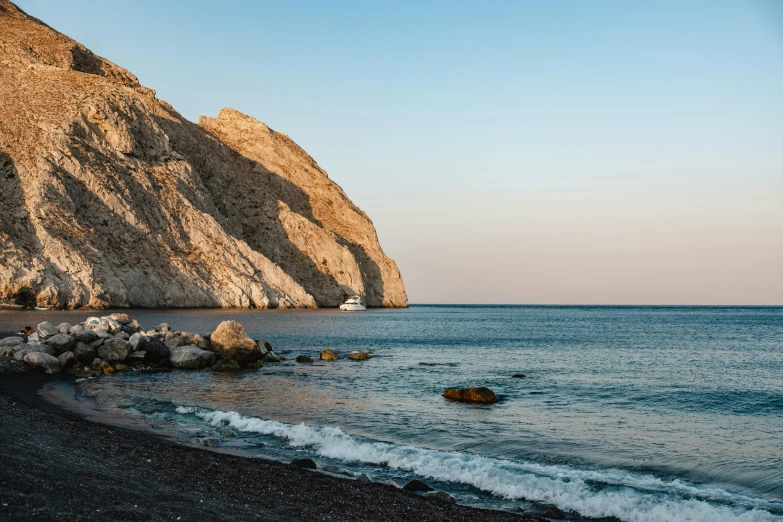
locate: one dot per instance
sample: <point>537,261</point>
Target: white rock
<point>46,362</point>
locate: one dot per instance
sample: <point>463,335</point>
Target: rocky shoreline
<point>115,343</point>
<point>105,345</point>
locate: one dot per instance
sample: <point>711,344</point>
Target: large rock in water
<point>112,198</point>
<point>154,349</point>
<point>191,357</point>
<point>479,394</point>
<point>114,350</point>
<point>230,341</point>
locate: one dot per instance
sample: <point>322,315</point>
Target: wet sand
<point>55,465</point>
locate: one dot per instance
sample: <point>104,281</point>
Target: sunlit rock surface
<point>111,198</point>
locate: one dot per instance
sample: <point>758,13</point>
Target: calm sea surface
<point>643,413</point>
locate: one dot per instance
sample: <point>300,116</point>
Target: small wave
<point>592,493</point>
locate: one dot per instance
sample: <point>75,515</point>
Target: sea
<point>635,412</point>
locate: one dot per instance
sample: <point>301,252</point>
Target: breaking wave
<point>631,497</point>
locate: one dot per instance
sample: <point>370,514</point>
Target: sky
<point>531,152</point>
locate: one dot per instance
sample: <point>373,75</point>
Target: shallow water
<point>644,413</point>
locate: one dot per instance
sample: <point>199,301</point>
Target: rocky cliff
<point>109,197</point>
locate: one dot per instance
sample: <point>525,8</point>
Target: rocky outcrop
<point>111,198</point>
<point>230,341</point>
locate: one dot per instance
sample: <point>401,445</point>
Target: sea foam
<point>628,496</point>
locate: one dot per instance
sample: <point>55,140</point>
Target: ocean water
<point>639,413</point>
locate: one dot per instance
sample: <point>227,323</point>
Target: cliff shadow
<point>20,247</point>
<point>244,198</point>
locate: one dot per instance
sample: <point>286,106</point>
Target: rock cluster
<point>113,343</point>
<point>110,198</point>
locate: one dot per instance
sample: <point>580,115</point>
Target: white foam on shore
<point>628,496</point>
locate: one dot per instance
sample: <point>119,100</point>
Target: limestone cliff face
<point>108,197</point>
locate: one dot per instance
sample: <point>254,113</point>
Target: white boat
<point>354,304</point>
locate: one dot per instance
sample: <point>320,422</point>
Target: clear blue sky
<point>522,151</point>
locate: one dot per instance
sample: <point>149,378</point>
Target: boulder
<point>44,361</point>
<point>86,336</point>
<point>133,341</point>
<point>271,357</point>
<point>230,341</point>
<point>120,367</point>
<point>84,353</point>
<point>76,329</point>
<point>97,343</point>
<point>33,338</point>
<point>96,363</point>
<point>360,355</point>
<point>9,350</point>
<point>155,350</point>
<point>61,342</point>
<point>226,365</point>
<point>122,335</point>
<point>479,394</point>
<point>110,325</point>
<point>34,348</point>
<point>64,328</point>
<point>132,327</point>
<point>67,360</point>
<point>162,328</point>
<point>114,350</point>
<point>442,495</point>
<point>12,341</point>
<point>102,333</point>
<point>303,359</point>
<point>210,442</point>
<point>195,339</point>
<point>191,357</point>
<point>265,345</point>
<point>174,341</point>
<point>46,330</point>
<point>304,463</point>
<point>121,318</point>
<point>136,357</point>
<point>105,368</point>
<point>329,355</point>
<point>92,322</point>
<point>417,486</point>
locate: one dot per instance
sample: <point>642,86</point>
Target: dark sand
<point>57,466</point>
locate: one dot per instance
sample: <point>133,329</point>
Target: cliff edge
<point>110,198</point>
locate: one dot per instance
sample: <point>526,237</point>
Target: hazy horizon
<point>563,153</point>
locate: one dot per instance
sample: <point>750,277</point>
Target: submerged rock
<point>360,355</point>
<point>226,365</point>
<point>329,355</point>
<point>304,359</point>
<point>518,376</point>
<point>230,341</point>
<point>255,365</point>
<point>417,486</point>
<point>44,361</point>
<point>304,463</point>
<point>442,495</point>
<point>479,395</point>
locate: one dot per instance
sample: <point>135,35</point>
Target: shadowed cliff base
<point>127,204</point>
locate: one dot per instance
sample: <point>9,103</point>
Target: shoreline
<point>56,465</point>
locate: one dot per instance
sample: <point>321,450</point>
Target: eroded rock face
<point>111,198</point>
